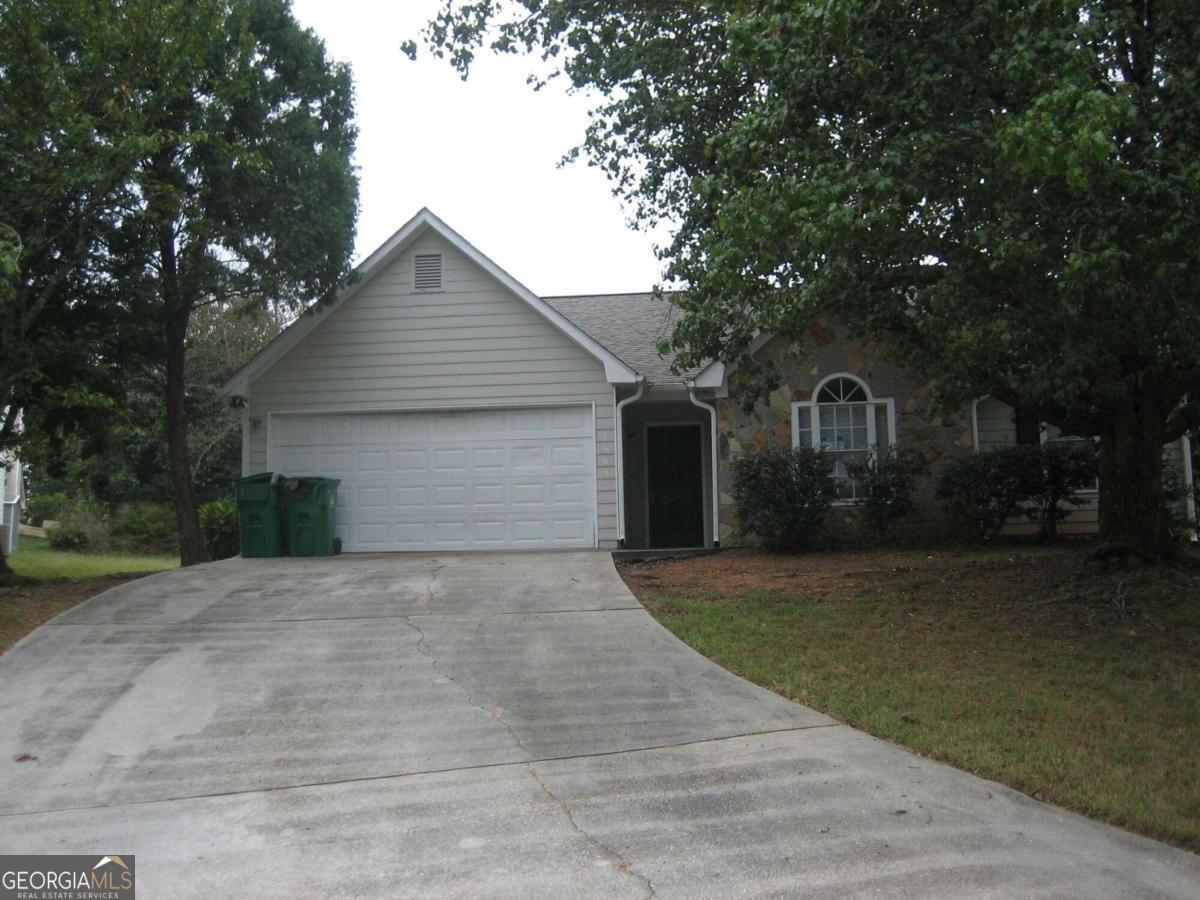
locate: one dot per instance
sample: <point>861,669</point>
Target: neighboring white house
<point>461,411</point>
<point>12,489</point>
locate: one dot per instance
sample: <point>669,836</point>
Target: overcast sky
<point>482,154</point>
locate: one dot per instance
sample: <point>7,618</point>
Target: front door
<point>674,485</point>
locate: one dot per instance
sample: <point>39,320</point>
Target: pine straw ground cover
<point>1030,666</point>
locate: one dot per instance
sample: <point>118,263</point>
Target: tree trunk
<point>176,312</point>
<point>1133,511</point>
<point>187,518</point>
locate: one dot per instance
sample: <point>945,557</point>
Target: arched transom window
<point>845,419</point>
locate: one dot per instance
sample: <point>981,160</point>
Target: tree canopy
<point>225,135</point>
<point>1007,193</point>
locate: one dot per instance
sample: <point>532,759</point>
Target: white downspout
<point>1188,479</point>
<point>716,495</point>
<point>619,424</point>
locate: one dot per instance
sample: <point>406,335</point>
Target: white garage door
<point>477,479</point>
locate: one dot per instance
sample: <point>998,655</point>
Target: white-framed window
<point>844,418</point>
<point>1052,434</point>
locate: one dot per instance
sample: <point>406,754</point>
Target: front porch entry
<point>666,445</point>
<point>675,484</point>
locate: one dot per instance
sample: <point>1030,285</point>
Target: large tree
<point>247,189</point>
<point>67,153</point>
<point>1007,192</point>
<point>104,441</point>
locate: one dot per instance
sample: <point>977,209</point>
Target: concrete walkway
<point>483,725</point>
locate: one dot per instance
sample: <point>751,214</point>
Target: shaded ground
<point>26,605</point>
<point>1026,665</point>
<point>52,581</point>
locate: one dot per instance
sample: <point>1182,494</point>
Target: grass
<point>35,558</point>
<point>1026,666</point>
<point>52,581</point>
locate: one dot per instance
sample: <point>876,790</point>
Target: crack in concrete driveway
<point>484,724</point>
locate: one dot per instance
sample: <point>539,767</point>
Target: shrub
<point>41,507</point>
<point>67,537</point>
<point>146,528</point>
<point>1066,469</point>
<point>81,527</point>
<point>783,494</point>
<point>219,522</point>
<point>1177,493</point>
<point>986,489</point>
<point>886,482</point>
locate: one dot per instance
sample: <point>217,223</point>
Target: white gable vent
<point>427,271</point>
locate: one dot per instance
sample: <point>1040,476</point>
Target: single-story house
<point>461,411</point>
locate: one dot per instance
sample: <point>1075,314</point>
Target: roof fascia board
<point>716,373</point>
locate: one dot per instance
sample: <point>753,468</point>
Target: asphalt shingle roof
<point>628,325</point>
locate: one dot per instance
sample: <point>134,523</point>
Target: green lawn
<point>1026,666</point>
<point>35,558</point>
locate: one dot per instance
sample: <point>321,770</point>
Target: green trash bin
<point>310,502</point>
<point>260,514</point>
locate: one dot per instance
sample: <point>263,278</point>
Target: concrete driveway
<point>483,725</point>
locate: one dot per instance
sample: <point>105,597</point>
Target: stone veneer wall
<point>827,351</point>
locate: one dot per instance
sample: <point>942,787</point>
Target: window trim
<point>811,404</point>
<point>1045,437</point>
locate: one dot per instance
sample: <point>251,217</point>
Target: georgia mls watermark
<point>49,877</point>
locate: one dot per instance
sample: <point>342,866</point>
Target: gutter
<point>712,433</point>
<point>620,454</point>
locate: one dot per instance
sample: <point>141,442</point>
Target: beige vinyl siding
<point>472,344</point>
<point>996,427</point>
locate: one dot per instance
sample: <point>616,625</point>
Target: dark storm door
<point>674,485</point>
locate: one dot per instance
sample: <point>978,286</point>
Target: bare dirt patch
<point>25,606</point>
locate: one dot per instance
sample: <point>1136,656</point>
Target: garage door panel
<point>410,498</point>
<point>449,460</point>
<point>375,535</point>
<point>336,464</point>
<point>450,496</point>
<point>489,496</point>
<point>569,530</point>
<point>528,458</point>
<point>450,533</point>
<point>529,531</point>
<point>489,459</point>
<point>412,535</point>
<point>337,428</point>
<point>373,461</point>
<point>570,419</point>
<point>528,494</point>
<point>480,479</point>
<point>568,493</point>
<point>368,497</point>
<point>568,456</point>
<point>409,462</point>
<point>374,429</point>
